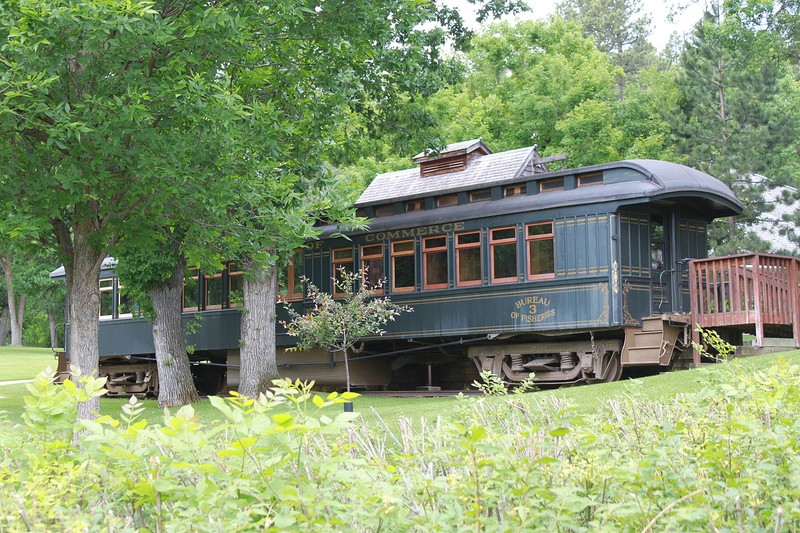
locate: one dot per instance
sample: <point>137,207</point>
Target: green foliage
<point>338,324</point>
<point>492,385</point>
<point>725,457</point>
<point>713,346</point>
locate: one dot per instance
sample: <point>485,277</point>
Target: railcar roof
<point>105,269</point>
<point>640,181</point>
<point>509,167</point>
<point>482,171</point>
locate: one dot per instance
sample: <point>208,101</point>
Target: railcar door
<point>660,261</point>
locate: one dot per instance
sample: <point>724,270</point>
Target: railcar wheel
<point>612,367</point>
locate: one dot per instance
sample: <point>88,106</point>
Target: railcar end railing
<point>745,290</point>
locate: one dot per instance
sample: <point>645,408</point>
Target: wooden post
<point>695,292</point>
<point>757,281</point>
<point>794,295</point>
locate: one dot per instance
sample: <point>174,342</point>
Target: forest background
<point>585,81</point>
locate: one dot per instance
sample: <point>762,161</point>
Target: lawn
<point>24,363</point>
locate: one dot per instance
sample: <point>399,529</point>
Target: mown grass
<point>25,363</point>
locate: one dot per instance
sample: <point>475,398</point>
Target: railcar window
<point>504,254</point>
<point>447,200</point>
<point>342,260</point>
<point>541,250</point>
<point>404,266</point>
<point>235,283</point>
<point>191,291</point>
<point>290,285</point>
<point>480,196</point>
<point>124,303</point>
<point>590,179</point>
<point>414,205</point>
<point>106,298</point>
<point>372,265</point>
<point>384,210</point>
<point>214,296</point>
<point>556,184</point>
<point>434,258</point>
<point>515,190</point>
<point>468,259</point>
<point>657,244</point>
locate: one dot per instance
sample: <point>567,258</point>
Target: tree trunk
<point>4,326</point>
<point>83,291</point>
<point>176,386</point>
<point>51,320</point>
<point>258,359</point>
<point>11,296</point>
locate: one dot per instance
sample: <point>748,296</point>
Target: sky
<point>658,10</point>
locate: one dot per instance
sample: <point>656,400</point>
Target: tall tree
<point>98,103</point>
<point>734,121</point>
<point>619,28</point>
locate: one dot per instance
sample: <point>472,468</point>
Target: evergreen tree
<point>732,121</point>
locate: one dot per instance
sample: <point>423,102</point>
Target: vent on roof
<point>443,166</point>
<point>452,158</point>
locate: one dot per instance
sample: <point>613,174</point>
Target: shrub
<point>726,459</point>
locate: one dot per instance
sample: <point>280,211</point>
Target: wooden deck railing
<point>751,289</point>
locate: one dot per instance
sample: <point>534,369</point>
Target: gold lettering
<point>370,237</point>
<point>408,233</point>
<point>433,230</point>
<point>447,228</point>
<point>458,226</point>
<point>422,231</point>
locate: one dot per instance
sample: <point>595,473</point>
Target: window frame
<point>480,195</point>
<point>291,295</point>
<point>468,246</point>
<point>109,288</point>
<point>194,273</point>
<point>426,252</point>
<point>403,253</point>
<point>414,206</point>
<point>384,210</point>
<point>551,236</point>
<point>447,200</point>
<point>371,257</point>
<point>545,185</point>
<point>516,190</point>
<point>590,180</point>
<point>234,269</point>
<point>503,242</point>
<point>335,263</point>
<point>206,285</point>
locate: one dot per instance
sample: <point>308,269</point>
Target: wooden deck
<point>748,292</point>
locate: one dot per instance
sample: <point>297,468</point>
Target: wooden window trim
<point>501,242</point>
<point>448,198</point>
<point>291,279</point>
<point>544,236</point>
<point>425,253</point>
<point>583,180</point>
<point>403,253</point>
<point>544,185</point>
<point>517,190</point>
<point>482,195</point>
<point>384,210</point>
<point>414,206</point>
<point>336,263</point>
<point>118,301</point>
<point>109,288</point>
<point>465,246</point>
<point>234,271</point>
<point>195,275</point>
<point>367,257</point>
<point>207,277</point>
